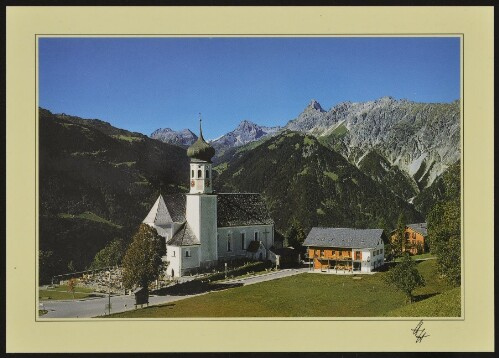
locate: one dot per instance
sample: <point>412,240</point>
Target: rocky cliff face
<point>183,138</point>
<point>246,132</point>
<point>422,139</point>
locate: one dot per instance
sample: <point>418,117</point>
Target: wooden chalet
<point>344,249</point>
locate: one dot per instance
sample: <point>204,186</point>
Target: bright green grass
<point>447,304</point>
<point>418,257</point>
<point>331,175</point>
<point>339,131</point>
<point>62,293</point>
<point>128,138</point>
<point>303,295</point>
<point>88,215</point>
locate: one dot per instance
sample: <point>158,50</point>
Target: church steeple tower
<point>200,169</point>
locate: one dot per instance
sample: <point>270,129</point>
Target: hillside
<point>380,170</point>
<point>302,179</point>
<point>428,197</point>
<point>422,139</point>
<point>97,182</point>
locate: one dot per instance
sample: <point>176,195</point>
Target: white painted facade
<point>201,214</point>
<point>182,259</point>
<point>234,241</point>
<point>372,258</point>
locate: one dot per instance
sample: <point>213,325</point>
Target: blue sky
<point>142,84</point>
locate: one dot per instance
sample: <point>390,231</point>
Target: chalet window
<point>322,253</point>
<point>332,252</point>
<point>243,244</point>
<point>187,253</point>
<point>200,173</point>
<point>256,235</point>
<point>340,253</point>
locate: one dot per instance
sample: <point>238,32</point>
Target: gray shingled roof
<point>419,227</point>
<point>176,206</point>
<point>242,210</point>
<point>343,237</point>
<point>184,237</point>
<point>166,210</point>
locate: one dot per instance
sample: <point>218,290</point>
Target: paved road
<point>92,307</point>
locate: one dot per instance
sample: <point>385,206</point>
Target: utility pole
<point>109,292</point>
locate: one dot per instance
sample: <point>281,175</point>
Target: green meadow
<point>316,295</point>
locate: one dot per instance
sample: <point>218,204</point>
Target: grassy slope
<point>304,295</point>
<point>447,304</point>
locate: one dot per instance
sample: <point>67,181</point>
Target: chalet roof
<point>167,210</point>
<point>184,237</point>
<point>419,227</point>
<point>242,210</point>
<point>343,237</point>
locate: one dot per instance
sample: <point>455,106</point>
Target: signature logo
<point>419,332</point>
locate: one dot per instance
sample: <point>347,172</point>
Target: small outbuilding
<point>141,296</point>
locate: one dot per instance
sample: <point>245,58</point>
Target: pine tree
<point>398,243</point>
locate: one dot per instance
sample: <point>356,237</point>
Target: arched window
<point>200,173</point>
<point>207,174</point>
<point>192,173</point>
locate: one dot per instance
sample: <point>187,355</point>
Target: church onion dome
<point>201,150</point>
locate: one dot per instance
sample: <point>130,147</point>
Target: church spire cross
<point>200,129</point>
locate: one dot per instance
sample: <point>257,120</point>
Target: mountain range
<point>355,165</point>
<point>420,139</point>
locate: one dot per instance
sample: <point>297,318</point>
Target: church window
<point>229,244</point>
<point>200,173</point>
<point>207,174</point>
<point>173,253</point>
<point>192,173</point>
<point>187,253</point>
<point>256,235</point>
<point>243,244</point>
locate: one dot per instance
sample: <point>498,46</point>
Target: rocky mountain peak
<point>184,137</point>
<point>314,105</point>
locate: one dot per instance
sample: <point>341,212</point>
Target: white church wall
<point>208,235</point>
<point>174,257</point>
<point>265,233</point>
<point>201,214</point>
<point>190,258</point>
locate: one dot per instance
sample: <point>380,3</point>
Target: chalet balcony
<point>333,257</point>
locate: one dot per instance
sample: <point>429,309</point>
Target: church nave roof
<point>242,209</point>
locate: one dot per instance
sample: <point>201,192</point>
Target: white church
<point>203,228</point>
